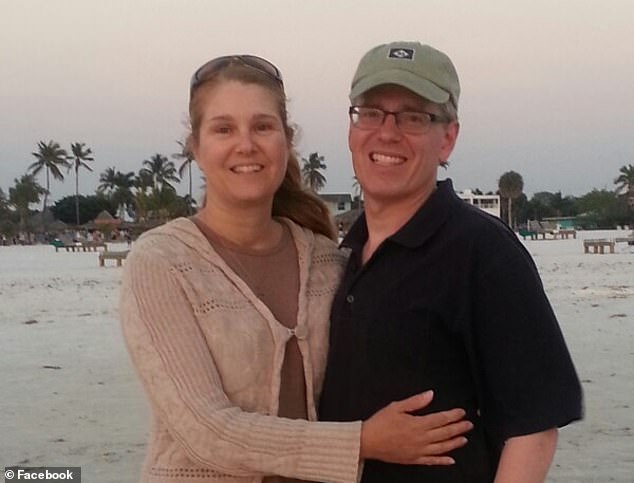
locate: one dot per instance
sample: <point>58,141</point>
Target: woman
<point>225,314</point>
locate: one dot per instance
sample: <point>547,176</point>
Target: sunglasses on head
<point>216,65</point>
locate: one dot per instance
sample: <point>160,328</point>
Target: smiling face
<point>392,166</point>
<point>240,145</point>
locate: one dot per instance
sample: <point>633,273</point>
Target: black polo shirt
<point>451,302</point>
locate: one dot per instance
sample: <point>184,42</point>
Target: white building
<point>337,202</point>
<point>488,203</point>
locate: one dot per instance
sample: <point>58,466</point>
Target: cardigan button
<point>350,298</point>
<point>301,332</point>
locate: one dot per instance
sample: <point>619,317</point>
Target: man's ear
<point>449,141</point>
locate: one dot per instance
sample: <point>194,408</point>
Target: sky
<point>546,85</point>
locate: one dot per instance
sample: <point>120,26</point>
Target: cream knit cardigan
<point>209,354</point>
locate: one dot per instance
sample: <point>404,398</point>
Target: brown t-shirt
<point>273,275</point>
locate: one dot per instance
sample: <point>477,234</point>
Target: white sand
<point>91,411</point>
<point>88,409</point>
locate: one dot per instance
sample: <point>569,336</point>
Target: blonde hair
<point>292,199</point>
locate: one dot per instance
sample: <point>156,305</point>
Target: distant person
<point>225,314</point>
<point>438,294</point>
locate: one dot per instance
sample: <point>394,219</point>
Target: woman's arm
<point>526,459</point>
<point>395,436</point>
<point>171,355</point>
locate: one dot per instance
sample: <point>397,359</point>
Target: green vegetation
<point>80,158</point>
<point>149,195</point>
<point>89,207</point>
<point>311,171</point>
<point>25,192</point>
<point>187,158</point>
<point>510,186</point>
<point>598,209</point>
<point>50,158</point>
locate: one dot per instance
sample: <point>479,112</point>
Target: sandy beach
<point>71,398</point>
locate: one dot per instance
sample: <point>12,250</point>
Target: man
<point>438,294</point>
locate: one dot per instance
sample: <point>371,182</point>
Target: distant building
<point>488,203</point>
<point>340,203</point>
<point>337,202</point>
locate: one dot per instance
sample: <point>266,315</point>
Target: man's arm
<point>526,459</point>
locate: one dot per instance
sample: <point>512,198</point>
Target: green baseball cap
<point>420,68</point>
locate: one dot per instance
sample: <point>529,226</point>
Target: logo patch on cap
<point>401,53</point>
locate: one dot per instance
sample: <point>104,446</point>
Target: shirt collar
<point>420,227</point>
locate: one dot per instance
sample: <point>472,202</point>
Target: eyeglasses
<point>411,122</point>
<point>216,65</point>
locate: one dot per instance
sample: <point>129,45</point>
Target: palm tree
<point>356,187</point>
<point>79,160</point>
<point>187,158</point>
<point>625,184</point>
<point>311,171</point>
<point>511,186</point>
<point>123,196</point>
<point>3,201</point>
<point>118,186</point>
<point>625,181</point>
<point>4,209</point>
<point>107,180</point>
<point>162,170</point>
<point>26,191</point>
<point>50,157</point>
<point>142,183</point>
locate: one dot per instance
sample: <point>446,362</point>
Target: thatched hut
<point>345,220</point>
<point>45,222</point>
<point>105,218</point>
